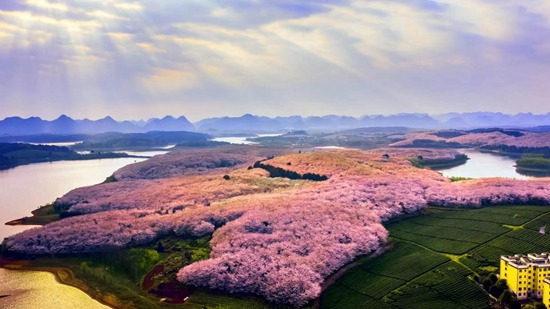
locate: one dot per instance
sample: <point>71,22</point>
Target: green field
<point>434,256</point>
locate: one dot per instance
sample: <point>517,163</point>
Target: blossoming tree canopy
<point>274,237</point>
<point>492,138</point>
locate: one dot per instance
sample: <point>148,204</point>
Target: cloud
<point>164,80</point>
<point>130,6</point>
<point>104,15</point>
<point>275,57</point>
<point>45,4</point>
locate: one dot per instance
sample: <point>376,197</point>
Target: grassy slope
<point>433,256</point>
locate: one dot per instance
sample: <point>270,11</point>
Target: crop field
<point>435,255</point>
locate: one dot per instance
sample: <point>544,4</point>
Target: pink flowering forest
<point>273,237</point>
<point>488,139</point>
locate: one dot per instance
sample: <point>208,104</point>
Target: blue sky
<point>201,58</point>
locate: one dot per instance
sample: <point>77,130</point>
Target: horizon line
<point>273,117</point>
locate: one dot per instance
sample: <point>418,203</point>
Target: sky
<point>203,58</point>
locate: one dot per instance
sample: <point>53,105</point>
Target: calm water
<point>31,289</point>
<point>239,140</point>
<point>24,188</point>
<point>333,147</point>
<point>150,153</point>
<point>482,165</point>
<point>234,140</point>
<point>65,144</point>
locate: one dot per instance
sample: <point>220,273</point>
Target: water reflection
<point>63,144</point>
<point>238,140</point>
<point>151,153</point>
<point>484,165</point>
<point>533,173</point>
<point>333,147</point>
<point>242,140</point>
<point>31,289</point>
<point>26,187</point>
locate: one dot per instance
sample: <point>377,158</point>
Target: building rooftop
<point>531,259</point>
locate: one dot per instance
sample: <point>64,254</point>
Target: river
<point>483,165</point>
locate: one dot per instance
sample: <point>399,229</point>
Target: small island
<point>533,165</point>
<point>16,154</point>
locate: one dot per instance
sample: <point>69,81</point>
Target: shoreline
<point>63,275</point>
<point>34,220</point>
<point>532,169</point>
<point>66,277</point>
<point>76,159</point>
<point>533,172</point>
<point>40,216</point>
<point>450,164</point>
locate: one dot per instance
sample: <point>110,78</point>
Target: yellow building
<point>527,275</point>
<point>546,288</point>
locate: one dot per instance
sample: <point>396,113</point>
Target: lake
<point>482,165</point>
<point>240,140</point>
<point>32,289</point>
<point>64,144</point>
<point>26,187</point>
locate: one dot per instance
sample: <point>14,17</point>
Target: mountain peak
<point>13,118</point>
<point>108,118</point>
<point>64,118</point>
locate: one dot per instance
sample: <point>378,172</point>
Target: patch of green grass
<point>109,179</point>
<point>444,232</point>
<point>541,221</point>
<point>434,255</point>
<point>456,178</point>
<point>121,273</point>
<point>338,296</point>
<point>444,245</point>
<point>489,269</point>
<point>508,216</point>
<point>368,283</point>
<point>405,261</point>
<point>439,287</point>
<point>45,210</point>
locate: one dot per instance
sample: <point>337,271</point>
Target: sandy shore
<point>65,276</point>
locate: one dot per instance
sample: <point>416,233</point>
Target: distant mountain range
<point>67,126</point>
<point>16,126</point>
<point>258,124</point>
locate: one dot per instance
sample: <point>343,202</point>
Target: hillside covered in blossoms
<point>275,237</point>
<point>513,140</point>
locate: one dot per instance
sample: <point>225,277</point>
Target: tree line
<point>280,172</point>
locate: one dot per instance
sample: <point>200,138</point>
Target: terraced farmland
<point>433,256</point>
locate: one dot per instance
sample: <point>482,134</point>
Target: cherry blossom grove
<point>428,154</point>
<point>274,237</point>
<point>525,140</point>
<point>194,162</point>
